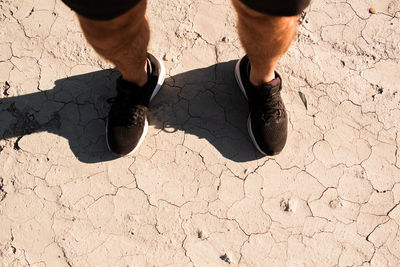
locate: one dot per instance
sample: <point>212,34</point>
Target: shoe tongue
<point>269,88</point>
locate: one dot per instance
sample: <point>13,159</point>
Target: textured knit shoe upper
<point>268,118</point>
<point>127,122</point>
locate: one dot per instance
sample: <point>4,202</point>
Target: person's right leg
<point>122,40</point>
<point>118,30</point>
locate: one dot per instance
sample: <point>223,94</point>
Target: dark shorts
<point>106,9</point>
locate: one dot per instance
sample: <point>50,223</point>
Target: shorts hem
<point>100,12</point>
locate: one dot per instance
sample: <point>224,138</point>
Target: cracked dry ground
<point>197,193</point>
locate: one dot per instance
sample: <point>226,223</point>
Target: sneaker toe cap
<point>121,141</point>
<point>270,137</point>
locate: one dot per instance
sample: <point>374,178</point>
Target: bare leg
<point>265,39</point>
<point>122,40</point>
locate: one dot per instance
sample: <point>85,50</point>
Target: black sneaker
<point>267,122</point>
<point>127,121</point>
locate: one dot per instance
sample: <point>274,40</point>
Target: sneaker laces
<point>127,110</point>
<point>128,104</point>
<point>270,106</point>
<point>267,99</point>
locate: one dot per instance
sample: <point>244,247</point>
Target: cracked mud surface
<point>197,192</point>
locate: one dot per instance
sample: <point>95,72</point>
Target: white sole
<point>161,79</point>
<point>145,129</point>
<point>160,82</point>
<point>249,128</point>
<point>238,79</point>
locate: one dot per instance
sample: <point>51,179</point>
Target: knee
<point>285,8</point>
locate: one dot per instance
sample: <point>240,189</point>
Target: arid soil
<point>197,192</point>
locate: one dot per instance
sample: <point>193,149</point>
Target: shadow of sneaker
<point>204,102</point>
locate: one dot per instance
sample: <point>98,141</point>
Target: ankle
<point>139,78</point>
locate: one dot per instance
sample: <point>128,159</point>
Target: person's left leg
<point>265,39</point>
<point>266,30</point>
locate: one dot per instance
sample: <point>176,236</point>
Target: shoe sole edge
<point>161,79</point>
<point>239,79</point>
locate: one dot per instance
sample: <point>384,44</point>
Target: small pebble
<point>225,258</point>
<point>372,10</point>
